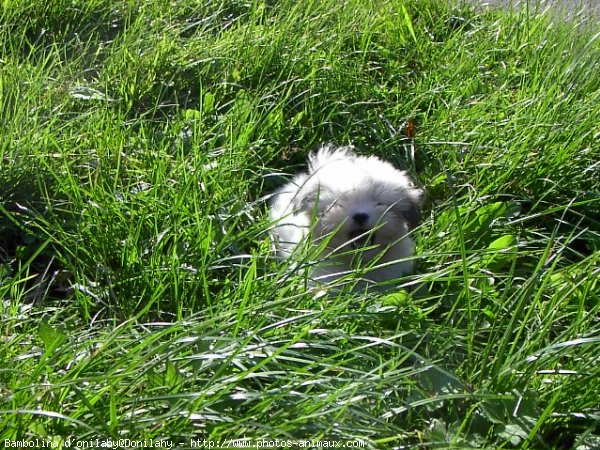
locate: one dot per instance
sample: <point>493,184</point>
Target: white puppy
<point>353,212</point>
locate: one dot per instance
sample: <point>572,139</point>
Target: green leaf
<point>208,102</point>
<point>503,242</point>
<point>408,22</point>
<point>437,431</point>
<point>490,212</point>
<point>192,114</point>
<point>51,337</point>
<point>501,252</point>
<point>513,433</point>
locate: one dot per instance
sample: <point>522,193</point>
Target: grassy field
<point>139,143</point>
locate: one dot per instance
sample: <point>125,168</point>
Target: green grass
<point>140,297</point>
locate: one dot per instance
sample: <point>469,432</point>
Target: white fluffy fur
<point>355,211</point>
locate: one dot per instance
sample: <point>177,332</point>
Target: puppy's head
<point>358,204</point>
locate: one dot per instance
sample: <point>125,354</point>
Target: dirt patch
<point>576,10</point>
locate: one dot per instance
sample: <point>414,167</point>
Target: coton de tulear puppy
<point>354,213</point>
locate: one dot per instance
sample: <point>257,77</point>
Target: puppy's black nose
<point>360,218</point>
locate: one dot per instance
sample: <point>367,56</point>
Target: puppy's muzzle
<point>361,237</point>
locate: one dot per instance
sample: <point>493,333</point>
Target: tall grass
<point>140,298</point>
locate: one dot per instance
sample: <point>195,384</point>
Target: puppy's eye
<point>381,204</point>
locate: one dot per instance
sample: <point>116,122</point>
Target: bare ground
<point>577,10</point>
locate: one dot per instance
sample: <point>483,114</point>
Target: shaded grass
<point>139,295</point>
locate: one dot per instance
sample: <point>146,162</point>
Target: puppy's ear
<point>307,199</point>
<point>411,210</point>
